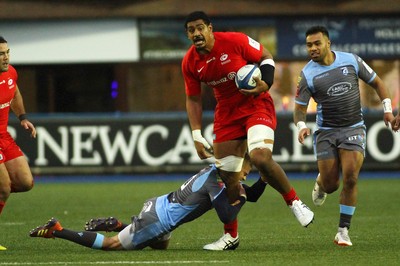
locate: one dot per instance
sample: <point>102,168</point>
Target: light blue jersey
<point>335,89</point>
<point>161,215</point>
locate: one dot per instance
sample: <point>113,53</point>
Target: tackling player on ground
<point>160,215</point>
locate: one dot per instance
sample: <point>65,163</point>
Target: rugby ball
<point>244,76</point>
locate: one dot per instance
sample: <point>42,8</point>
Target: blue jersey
<point>191,200</point>
<point>335,89</point>
<point>161,215</point>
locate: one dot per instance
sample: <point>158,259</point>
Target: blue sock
<point>346,213</point>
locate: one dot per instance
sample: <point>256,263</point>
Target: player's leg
<point>328,179</point>
<point>229,157</point>
<point>20,174</point>
<point>230,239</point>
<point>5,189</point>
<point>260,146</point>
<point>351,165</point>
<point>5,186</point>
<point>53,229</point>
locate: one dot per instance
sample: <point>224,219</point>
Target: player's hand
<point>396,123</point>
<point>388,118</point>
<point>203,148</point>
<point>29,127</point>
<point>260,88</point>
<point>203,151</point>
<point>303,134</point>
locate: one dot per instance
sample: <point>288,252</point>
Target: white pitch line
<point>116,262</point>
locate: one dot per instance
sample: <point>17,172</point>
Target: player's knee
<point>261,157</point>
<point>24,186</point>
<point>350,182</point>
<point>5,190</point>
<point>330,187</point>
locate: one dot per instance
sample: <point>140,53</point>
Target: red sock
<point>2,203</point>
<point>290,196</point>
<point>232,228</point>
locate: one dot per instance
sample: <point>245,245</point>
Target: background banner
<point>162,142</point>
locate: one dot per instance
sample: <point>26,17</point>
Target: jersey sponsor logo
<point>216,82</point>
<point>5,105</point>
<point>345,71</point>
<point>224,59</point>
<point>339,89</point>
<point>210,60</point>
<point>231,75</point>
<point>253,43</point>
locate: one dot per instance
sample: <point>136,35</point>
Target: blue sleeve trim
<point>98,242</point>
<point>372,79</point>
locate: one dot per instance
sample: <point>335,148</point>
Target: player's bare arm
<point>194,110</point>
<point>299,118</point>
<point>383,94</point>
<point>17,106</point>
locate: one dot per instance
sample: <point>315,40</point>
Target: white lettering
<point>142,145</point>
<point>45,138</point>
<point>373,144</point>
<point>184,144</point>
<point>119,144</point>
<point>79,145</point>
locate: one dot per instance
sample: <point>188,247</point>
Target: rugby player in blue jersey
<point>160,215</point>
<point>331,79</point>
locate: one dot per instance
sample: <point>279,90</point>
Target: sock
<point>290,197</point>
<point>255,191</point>
<point>346,213</point>
<point>2,204</point>
<point>88,239</point>
<point>231,228</point>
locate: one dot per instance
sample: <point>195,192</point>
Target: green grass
<point>270,235</point>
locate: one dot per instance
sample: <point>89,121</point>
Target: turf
<point>269,233</point>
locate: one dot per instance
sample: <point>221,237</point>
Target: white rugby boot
<point>301,211</point>
<point>226,242</point>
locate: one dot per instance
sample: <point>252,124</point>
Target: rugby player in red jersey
<point>244,120</point>
<point>15,175</point>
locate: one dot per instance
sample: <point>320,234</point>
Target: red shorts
<point>8,148</point>
<point>237,129</point>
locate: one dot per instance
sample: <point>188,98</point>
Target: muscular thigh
<point>232,147</point>
<point>19,172</point>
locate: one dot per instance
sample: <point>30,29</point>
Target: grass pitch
<point>269,233</point>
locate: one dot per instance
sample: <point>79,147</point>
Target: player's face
<point>4,57</point>
<point>200,34</point>
<point>318,47</point>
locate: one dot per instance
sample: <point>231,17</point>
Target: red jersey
<point>231,51</point>
<point>8,86</point>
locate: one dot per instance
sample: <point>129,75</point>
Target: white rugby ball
<point>244,76</point>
